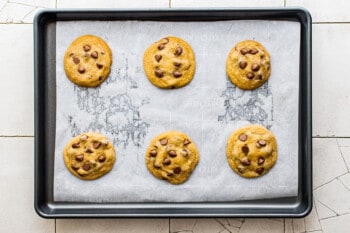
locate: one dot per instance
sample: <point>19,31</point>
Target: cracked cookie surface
<point>172,156</point>
<point>251,151</point>
<point>248,65</point>
<point>89,156</point>
<point>169,63</point>
<point>87,61</point>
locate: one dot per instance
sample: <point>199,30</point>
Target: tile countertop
<point>331,127</point>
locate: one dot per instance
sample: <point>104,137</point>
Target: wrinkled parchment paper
<point>130,111</point>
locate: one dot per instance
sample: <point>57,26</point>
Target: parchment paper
<point>130,111</point>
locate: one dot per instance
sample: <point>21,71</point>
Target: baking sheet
<point>131,111</point>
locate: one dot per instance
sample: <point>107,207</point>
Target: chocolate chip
<point>241,170</point>
<point>96,145</point>
<point>86,166</point>
<point>166,40</point>
<point>100,78</point>
<point>255,67</point>
<point>76,60</point>
<point>101,158</point>
<point>177,74</point>
<point>166,161</point>
<point>87,48</point>
<point>94,54</point>
<point>71,54</point>
<point>177,64</point>
<point>161,46</point>
<point>260,170</point>
<point>245,161</point>
<point>260,76</point>
<point>79,157</point>
<point>75,167</point>
<point>262,142</point>
<point>178,51</point>
<point>156,166</point>
<point>170,174</point>
<point>250,75</point>
<point>158,57</point>
<point>245,149</point>
<point>88,150</point>
<point>244,51</point>
<point>184,152</point>
<point>186,142</point>
<point>261,160</point>
<point>243,64</point>
<point>76,145</point>
<point>243,137</point>
<point>177,170</point>
<point>163,141</point>
<point>81,69</point>
<point>153,153</point>
<point>159,73</point>
<point>83,138</point>
<point>253,51</point>
<point>99,65</point>
<point>172,153</point>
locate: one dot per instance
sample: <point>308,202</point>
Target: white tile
<point>312,222</point>
<point>226,3</point>
<point>326,10</point>
<point>335,196</point>
<point>343,142</point>
<point>323,211</point>
<point>327,161</point>
<point>112,225</point>
<point>298,225</point>
<point>17,188</point>
<point>345,179</point>
<point>345,151</point>
<point>22,11</point>
<point>339,224</point>
<point>181,224</point>
<point>207,226</point>
<point>235,222</point>
<point>112,4</point>
<point>261,226</point>
<point>16,89</point>
<point>331,99</point>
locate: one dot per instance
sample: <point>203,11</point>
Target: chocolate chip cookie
<point>172,156</point>
<point>89,156</point>
<point>251,151</point>
<point>87,61</point>
<point>248,65</point>
<point>169,63</point>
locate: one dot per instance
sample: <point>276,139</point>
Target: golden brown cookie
<point>172,156</point>
<point>87,61</point>
<point>89,156</point>
<point>248,65</point>
<point>251,151</point>
<point>169,63</point>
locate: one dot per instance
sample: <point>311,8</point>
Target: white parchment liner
<point>130,111</point>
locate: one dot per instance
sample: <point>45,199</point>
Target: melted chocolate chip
<point>255,67</point>
<point>96,145</point>
<point>156,166</point>
<point>243,137</point>
<point>244,51</point>
<point>262,142</point>
<point>245,161</point>
<point>243,64</point>
<point>177,64</point>
<point>177,170</point>
<point>158,57</point>
<point>178,51</point>
<point>86,48</point>
<point>172,153</point>
<point>241,170</point>
<point>86,166</point>
<point>163,141</point>
<point>101,158</point>
<point>177,74</point>
<point>99,65</point>
<point>253,51</point>
<point>76,145</point>
<point>76,60</point>
<point>166,161</point>
<point>75,167</point>
<point>159,73</point>
<point>250,75</point>
<point>259,170</point>
<point>245,149</point>
<point>81,70</point>
<point>153,153</point>
<point>186,142</point>
<point>79,157</point>
<point>261,160</point>
<point>88,150</point>
<point>161,46</point>
<point>94,54</point>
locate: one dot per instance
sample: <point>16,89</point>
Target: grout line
<point>169,225</point>
<point>328,182</point>
<point>332,137</point>
<point>342,156</point>
<point>335,22</point>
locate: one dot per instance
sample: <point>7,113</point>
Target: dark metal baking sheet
<point>45,114</point>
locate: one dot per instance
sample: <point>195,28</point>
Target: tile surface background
<point>331,127</point>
